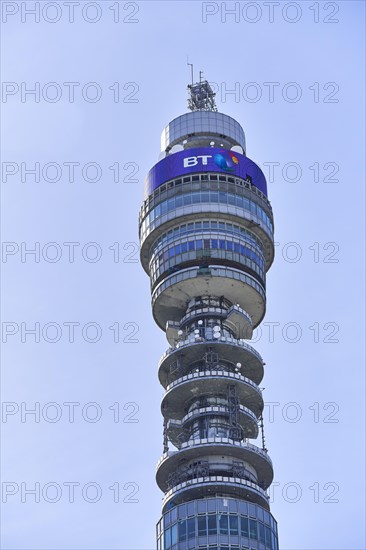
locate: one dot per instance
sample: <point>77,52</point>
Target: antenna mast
<point>201,95</point>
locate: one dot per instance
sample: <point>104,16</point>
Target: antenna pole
<point>191,65</point>
<point>201,95</point>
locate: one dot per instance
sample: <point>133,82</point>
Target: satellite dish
<point>180,332</point>
<point>237,149</point>
<point>176,148</point>
<point>216,334</point>
<point>196,331</point>
<point>217,328</point>
<point>238,365</point>
<point>200,322</point>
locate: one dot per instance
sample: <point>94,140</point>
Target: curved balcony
<point>216,446</point>
<point>209,383</point>
<point>203,312</point>
<point>170,297</point>
<point>230,349</point>
<point>247,421</point>
<point>209,486</point>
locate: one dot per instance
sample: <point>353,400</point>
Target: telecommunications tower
<point>206,233</point>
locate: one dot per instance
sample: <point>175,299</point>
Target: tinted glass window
<point>202,528</point>
<point>191,531</point>
<point>167,538</point>
<point>211,521</point>
<point>244,527</point>
<point>182,530</point>
<point>174,534</point>
<point>233,522</point>
<point>253,529</point>
<point>223,524</point>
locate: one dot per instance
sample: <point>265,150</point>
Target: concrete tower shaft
<point>206,233</point>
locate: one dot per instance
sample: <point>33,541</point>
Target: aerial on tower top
<point>201,95</point>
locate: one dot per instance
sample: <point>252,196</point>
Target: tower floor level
<point>206,234</point>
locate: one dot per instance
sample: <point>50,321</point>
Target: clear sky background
<point>315,384</point>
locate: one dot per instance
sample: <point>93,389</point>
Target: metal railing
<point>222,340</point>
<point>217,441</point>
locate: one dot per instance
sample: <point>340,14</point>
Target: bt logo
<point>226,160</point>
<point>193,161</point>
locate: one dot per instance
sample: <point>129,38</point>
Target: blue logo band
<point>204,159</point>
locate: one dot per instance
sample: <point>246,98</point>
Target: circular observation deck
<point>229,349</point>
<point>208,486</point>
<point>215,446</point>
<point>171,296</point>
<point>247,421</point>
<point>207,384</point>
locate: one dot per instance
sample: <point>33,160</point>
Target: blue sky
<point>317,194</point>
